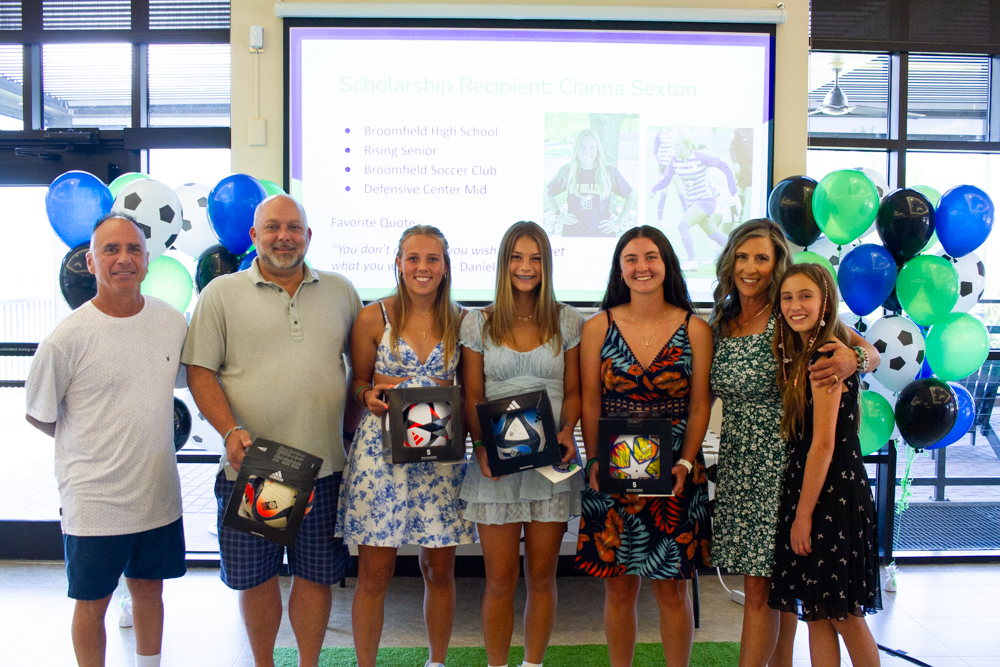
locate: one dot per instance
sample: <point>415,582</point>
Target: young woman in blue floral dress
<point>408,340</point>
<point>645,354</point>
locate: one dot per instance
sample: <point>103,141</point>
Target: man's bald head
<point>260,213</point>
<point>116,215</point>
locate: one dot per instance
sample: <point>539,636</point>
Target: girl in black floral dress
<point>825,566</point>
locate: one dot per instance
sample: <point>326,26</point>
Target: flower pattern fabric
<point>751,454</point>
<point>840,576</point>
<point>655,537</point>
<point>388,505</point>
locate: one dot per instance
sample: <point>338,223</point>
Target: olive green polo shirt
<point>281,359</point>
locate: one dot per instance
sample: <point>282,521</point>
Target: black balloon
<point>214,262</point>
<point>926,412</point>
<point>892,303</point>
<point>182,424</point>
<point>905,223</point>
<point>790,205</point>
<point>77,284</point>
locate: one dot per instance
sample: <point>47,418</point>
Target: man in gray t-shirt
<point>266,358</point>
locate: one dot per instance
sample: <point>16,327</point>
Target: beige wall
<point>790,92</point>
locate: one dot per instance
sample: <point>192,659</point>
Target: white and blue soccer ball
<point>519,433</point>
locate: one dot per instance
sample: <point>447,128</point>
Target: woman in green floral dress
<point>752,454</point>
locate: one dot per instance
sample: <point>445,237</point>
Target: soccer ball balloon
<point>635,457</point>
<point>901,346</point>
<point>157,210</point>
<point>268,501</point>
<point>427,424</point>
<point>971,280</point>
<point>859,324</point>
<point>519,433</point>
<point>196,234</point>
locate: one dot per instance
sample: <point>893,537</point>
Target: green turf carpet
<point>703,654</point>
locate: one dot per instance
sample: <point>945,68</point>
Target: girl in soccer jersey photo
<point>592,187</point>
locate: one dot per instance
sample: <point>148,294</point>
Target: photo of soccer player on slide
<point>591,180</point>
<point>706,187</point>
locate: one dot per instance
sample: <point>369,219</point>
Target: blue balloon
<point>866,276</point>
<point>925,371</point>
<point>247,260</point>
<point>74,202</point>
<point>231,205</point>
<point>963,220</point>
<point>966,415</point>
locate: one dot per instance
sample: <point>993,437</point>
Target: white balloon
<point>901,346</point>
<point>859,324</point>
<point>971,280</point>
<point>197,234</point>
<point>203,434</point>
<point>156,208</point>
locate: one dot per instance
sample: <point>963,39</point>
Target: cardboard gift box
<point>635,456</point>
<point>273,491</point>
<point>425,424</point>
<point>519,432</point>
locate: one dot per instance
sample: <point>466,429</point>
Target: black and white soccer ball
<point>196,233</point>
<point>827,249</point>
<point>901,346</point>
<point>156,208</point>
<point>856,322</point>
<point>203,434</point>
<point>971,280</point>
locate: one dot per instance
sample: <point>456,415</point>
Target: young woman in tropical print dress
<point>646,355</point>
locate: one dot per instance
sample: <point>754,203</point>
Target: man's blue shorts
<point>318,556</point>
<point>94,564</point>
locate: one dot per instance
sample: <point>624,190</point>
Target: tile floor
<point>945,615</point>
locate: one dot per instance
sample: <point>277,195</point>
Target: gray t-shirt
<point>280,359</point>
<point>108,384</point>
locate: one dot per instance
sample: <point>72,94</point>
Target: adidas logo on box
<point>276,476</point>
<point>513,406</point>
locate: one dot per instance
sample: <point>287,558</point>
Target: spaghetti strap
<point>687,319</point>
<point>608,311</point>
<point>385,316</point>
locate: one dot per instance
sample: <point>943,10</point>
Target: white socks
<point>426,664</point>
<point>531,664</point>
<point>147,660</point>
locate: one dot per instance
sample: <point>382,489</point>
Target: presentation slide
<point>588,133</point>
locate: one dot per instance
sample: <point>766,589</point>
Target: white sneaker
<point>689,265</point>
<point>125,620</point>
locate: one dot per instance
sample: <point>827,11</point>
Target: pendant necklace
<point>645,341</point>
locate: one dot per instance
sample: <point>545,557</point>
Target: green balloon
<point>845,204</point>
<point>272,188</point>
<point>877,422</point>
<point>933,196</point>
<point>119,183</point>
<point>809,257</point>
<point>927,288</point>
<point>957,346</point>
<point>169,280</point>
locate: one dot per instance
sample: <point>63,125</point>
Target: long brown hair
<point>500,324</point>
<point>794,355</point>
<point>675,291</point>
<point>446,312</point>
<point>727,297</point>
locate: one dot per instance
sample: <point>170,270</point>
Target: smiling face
<point>586,152</point>
<point>118,258</point>
<point>525,265</point>
<point>752,268</point>
<point>642,266</point>
<point>801,303</point>
<point>281,236</point>
<point>421,263</point>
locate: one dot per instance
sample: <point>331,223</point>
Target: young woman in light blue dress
<point>523,341</point>
<point>409,339</point>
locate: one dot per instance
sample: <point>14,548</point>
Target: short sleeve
<point>570,327</point>
<point>471,334</point>
<point>622,188</point>
<point>355,306</point>
<point>47,383</point>
<point>559,181</point>
<point>205,344</point>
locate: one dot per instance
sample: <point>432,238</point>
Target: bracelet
<point>591,462</point>
<point>687,464</point>
<point>359,390</point>
<point>364,393</point>
<point>230,432</point>
<point>477,443</point>
<point>862,358</point>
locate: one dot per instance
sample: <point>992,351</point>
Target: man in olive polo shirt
<point>265,357</point>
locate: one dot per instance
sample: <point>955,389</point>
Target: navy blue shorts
<point>318,556</point>
<point>94,564</point>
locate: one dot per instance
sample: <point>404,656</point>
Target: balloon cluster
<point>211,225</point>
<point>936,342</point>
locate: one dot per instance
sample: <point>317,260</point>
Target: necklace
<point>645,341</point>
<point>759,313</point>
<point>423,334</point>
<point>523,319</point>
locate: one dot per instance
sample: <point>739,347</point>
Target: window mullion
<point>898,77</point>
<point>993,111</point>
<point>140,85</point>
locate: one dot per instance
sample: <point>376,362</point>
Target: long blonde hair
<point>500,324</point>
<point>794,356</point>
<point>602,174</point>
<point>727,297</point>
<point>446,312</point>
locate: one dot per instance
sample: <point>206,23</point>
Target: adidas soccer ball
<point>635,457</point>
<point>196,234</point>
<point>901,346</point>
<point>427,424</point>
<point>157,210</point>
<point>519,433</point>
<point>268,501</point>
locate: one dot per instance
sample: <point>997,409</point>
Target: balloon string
<point>903,503</point>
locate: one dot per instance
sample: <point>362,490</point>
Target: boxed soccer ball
<point>274,491</point>
<point>425,424</point>
<point>519,432</point>
<point>635,456</point>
